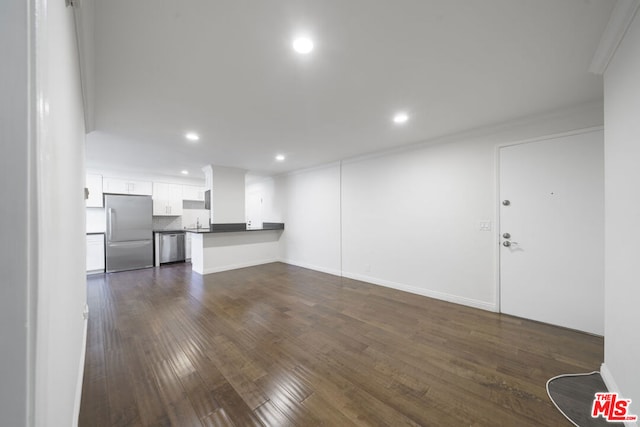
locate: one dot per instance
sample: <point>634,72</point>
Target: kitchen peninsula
<point>222,247</point>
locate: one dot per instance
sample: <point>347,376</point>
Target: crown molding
<point>621,17</point>
<point>83,13</point>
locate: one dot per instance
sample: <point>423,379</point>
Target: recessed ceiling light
<point>184,172</point>
<point>302,45</point>
<point>280,157</point>
<point>192,136</point>
<point>400,118</point>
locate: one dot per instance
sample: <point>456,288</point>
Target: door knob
<point>506,244</point>
<point>506,202</point>
<point>506,235</point>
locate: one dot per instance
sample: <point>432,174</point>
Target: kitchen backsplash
<point>191,216</point>
<point>167,223</point>
<point>189,219</point>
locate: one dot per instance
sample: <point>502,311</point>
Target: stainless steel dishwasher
<point>172,247</point>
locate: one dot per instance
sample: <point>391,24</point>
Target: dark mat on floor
<point>573,395</point>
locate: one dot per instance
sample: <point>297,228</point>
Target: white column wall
<point>227,195</point>
<point>43,263</point>
<point>60,177</point>
<point>622,215</point>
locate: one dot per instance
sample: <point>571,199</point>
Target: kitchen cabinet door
<point>127,186</point>
<point>141,188</point>
<point>175,207</point>
<point>115,186</point>
<point>167,199</point>
<point>167,208</point>
<point>192,192</point>
<point>94,186</point>
<point>160,191</point>
<point>95,253</point>
<point>175,199</point>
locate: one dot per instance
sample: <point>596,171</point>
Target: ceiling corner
<point>621,17</point>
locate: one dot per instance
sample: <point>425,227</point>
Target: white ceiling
<point>225,69</point>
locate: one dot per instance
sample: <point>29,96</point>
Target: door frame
<point>498,147</point>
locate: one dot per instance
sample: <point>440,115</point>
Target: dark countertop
<point>89,233</point>
<point>169,231</point>
<point>236,227</point>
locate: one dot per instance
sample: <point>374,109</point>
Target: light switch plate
<point>485,225</point>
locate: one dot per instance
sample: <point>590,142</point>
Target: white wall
<point>311,206</point>
<point>410,218</point>
<point>60,176</point>
<point>17,226</point>
<point>622,215</point>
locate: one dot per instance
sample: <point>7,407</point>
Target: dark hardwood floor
<point>279,345</point>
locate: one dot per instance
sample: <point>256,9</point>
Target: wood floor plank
<point>218,419</point>
<point>235,407</point>
<point>278,345</point>
<point>270,415</point>
<point>120,395</point>
<point>174,397</point>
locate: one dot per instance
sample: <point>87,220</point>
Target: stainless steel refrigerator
<point>129,232</point>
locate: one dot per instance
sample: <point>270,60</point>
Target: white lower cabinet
<point>95,253</point>
<point>187,246</point>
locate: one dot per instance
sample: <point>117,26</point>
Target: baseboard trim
<point>83,353</point>
<point>238,265</point>
<point>612,386</point>
<point>605,373</point>
<point>331,271</point>
<point>424,292</point>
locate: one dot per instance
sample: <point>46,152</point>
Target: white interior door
<point>552,209</point>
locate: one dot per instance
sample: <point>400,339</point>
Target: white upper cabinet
<point>192,192</point>
<point>94,186</point>
<point>127,186</point>
<point>167,199</point>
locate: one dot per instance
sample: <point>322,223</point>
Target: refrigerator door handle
<point>109,223</point>
<point>132,244</point>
